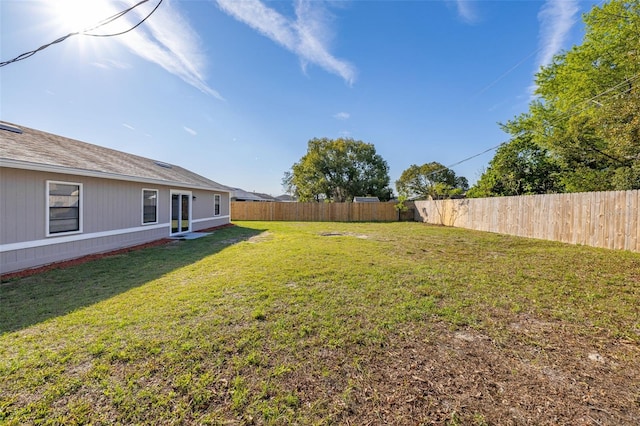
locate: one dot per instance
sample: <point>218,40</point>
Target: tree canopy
<point>338,170</point>
<point>431,180</point>
<point>520,167</point>
<point>583,130</point>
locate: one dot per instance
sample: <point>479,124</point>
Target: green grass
<point>258,323</point>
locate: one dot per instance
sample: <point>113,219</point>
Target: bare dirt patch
<point>439,376</point>
<point>343,234</point>
<point>263,236</point>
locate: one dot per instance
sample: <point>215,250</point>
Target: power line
<point>506,73</point>
<point>475,155</point>
<point>86,31</point>
<point>566,115</point>
<point>122,13</point>
<point>594,99</point>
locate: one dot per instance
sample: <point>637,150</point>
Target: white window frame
<point>157,206</point>
<point>80,208</point>
<point>217,199</point>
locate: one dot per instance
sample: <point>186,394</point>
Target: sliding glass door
<point>180,212</point>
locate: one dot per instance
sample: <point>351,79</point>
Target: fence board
<point>316,212</point>
<point>599,219</point>
<point>633,220</point>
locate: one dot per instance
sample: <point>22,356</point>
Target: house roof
<point>242,195</point>
<point>285,197</point>
<point>25,148</point>
<point>366,199</point>
<point>266,197</point>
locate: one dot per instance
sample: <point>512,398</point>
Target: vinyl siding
<point>109,207</point>
<point>16,260</point>
<point>202,206</point>
<point>22,206</point>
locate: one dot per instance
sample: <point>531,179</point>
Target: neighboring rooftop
<point>266,197</point>
<point>239,194</point>
<point>286,198</point>
<point>366,200</point>
<point>25,148</point>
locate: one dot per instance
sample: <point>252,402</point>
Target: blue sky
<point>233,90</point>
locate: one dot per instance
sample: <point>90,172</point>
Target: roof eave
<point>26,165</point>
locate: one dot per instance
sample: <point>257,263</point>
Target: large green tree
<point>338,170</point>
<point>430,180</point>
<point>520,167</point>
<point>586,119</point>
<point>588,112</point>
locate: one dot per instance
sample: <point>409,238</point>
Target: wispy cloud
<point>556,17</point>
<point>308,35</point>
<point>467,11</point>
<point>342,116</point>
<point>189,130</point>
<point>167,40</point>
<point>111,64</point>
<point>128,126</point>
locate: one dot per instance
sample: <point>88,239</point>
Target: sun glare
<point>79,15</point>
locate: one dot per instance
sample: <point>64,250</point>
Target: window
<point>216,205</point>
<point>149,206</point>
<point>64,205</point>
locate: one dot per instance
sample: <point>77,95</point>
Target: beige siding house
<point>61,199</point>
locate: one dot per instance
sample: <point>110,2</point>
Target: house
<point>238,194</point>
<point>62,199</point>
<point>286,198</point>
<point>266,197</point>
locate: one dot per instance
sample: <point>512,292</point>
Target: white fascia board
<point>25,165</point>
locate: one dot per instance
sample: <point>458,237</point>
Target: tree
<point>338,170</point>
<point>520,167</point>
<point>582,133</point>
<point>431,180</point>
<point>588,113</point>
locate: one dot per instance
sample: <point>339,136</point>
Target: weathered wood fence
<point>314,212</point>
<point>598,219</point>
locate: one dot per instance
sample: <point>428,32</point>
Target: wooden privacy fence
<point>598,219</point>
<point>314,212</point>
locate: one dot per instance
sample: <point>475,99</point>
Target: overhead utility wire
<point>568,114</point>
<point>573,111</point>
<point>473,156</point>
<point>130,29</point>
<point>565,115</point>
<point>85,32</point>
<point>506,73</point>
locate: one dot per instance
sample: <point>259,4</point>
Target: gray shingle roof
<point>366,199</point>
<point>286,197</point>
<point>242,195</point>
<point>38,150</point>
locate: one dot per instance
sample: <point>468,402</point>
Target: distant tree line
<point>340,169</point>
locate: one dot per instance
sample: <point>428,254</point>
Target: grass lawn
<point>328,323</point>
